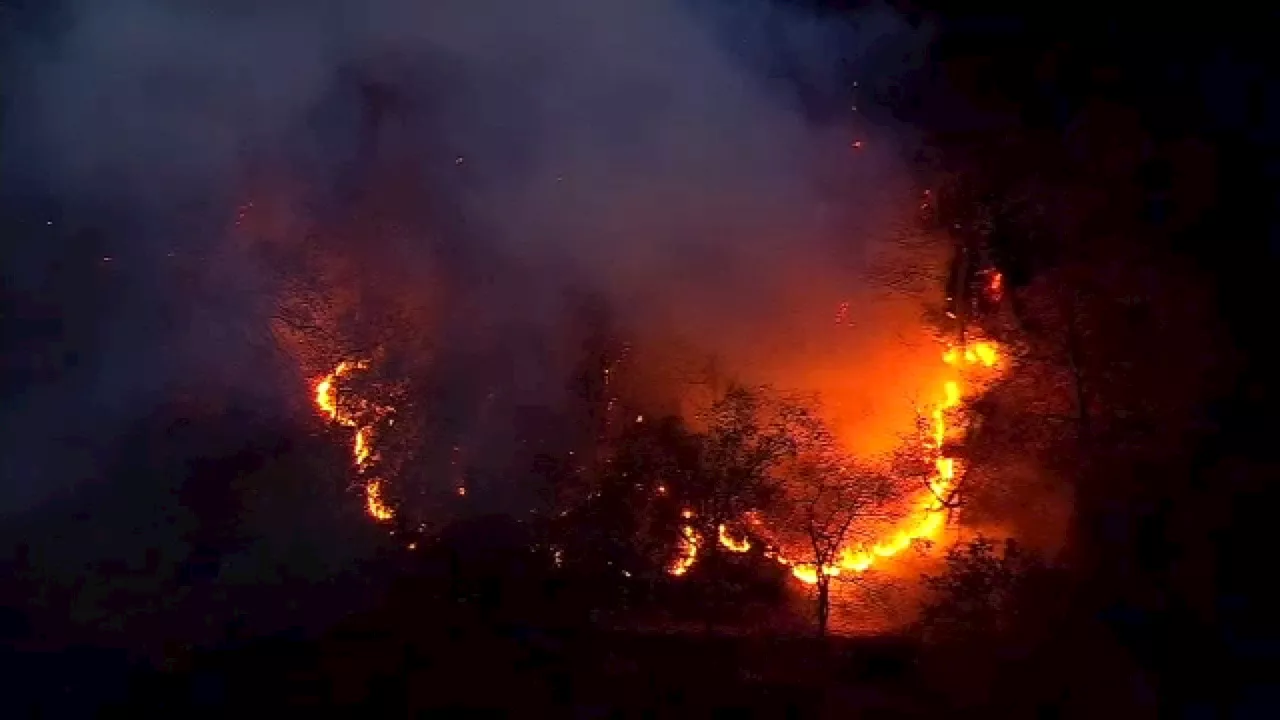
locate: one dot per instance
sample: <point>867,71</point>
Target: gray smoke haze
<point>628,143</point>
<point>649,151</point>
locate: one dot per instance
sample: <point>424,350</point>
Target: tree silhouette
<point>828,505</point>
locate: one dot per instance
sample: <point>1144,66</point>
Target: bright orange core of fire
<point>925,521</point>
<point>927,518</point>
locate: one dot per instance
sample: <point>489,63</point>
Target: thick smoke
<point>691,162</point>
<point>638,147</point>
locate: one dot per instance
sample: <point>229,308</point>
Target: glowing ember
<point>995,286</point>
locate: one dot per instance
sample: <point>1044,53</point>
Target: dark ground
<point>516,674</point>
<point>513,672</point>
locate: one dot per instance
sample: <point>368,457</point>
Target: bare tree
<point>827,508</point>
<point>750,433</point>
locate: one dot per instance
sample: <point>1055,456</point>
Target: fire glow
<point>689,543</point>
<point>329,403</point>
<point>927,518</point>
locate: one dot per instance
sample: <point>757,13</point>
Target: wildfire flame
<point>738,546</point>
<point>327,392</point>
<point>373,503</point>
<point>328,403</point>
<point>926,520</point>
<point>928,517</point>
<point>689,543</point>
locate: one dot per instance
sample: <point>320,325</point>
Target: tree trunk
<point>824,603</point>
<point>1085,546</point>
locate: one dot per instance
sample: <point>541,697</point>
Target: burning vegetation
<point>756,477</point>
<point>576,299</point>
<point>458,387</point>
<point>924,522</point>
<point>359,415</point>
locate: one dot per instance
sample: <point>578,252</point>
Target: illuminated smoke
<point>631,150</point>
<point>925,521</point>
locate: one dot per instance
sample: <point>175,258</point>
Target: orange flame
<point>738,546</point>
<point>689,543</point>
<point>326,396</point>
<point>361,449</point>
<point>928,517</point>
<point>373,503</point>
<point>328,403</point>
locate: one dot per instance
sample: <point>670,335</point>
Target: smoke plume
<point>716,172</point>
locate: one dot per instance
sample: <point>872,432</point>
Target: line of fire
<point>751,472</point>
<point>635,358</point>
